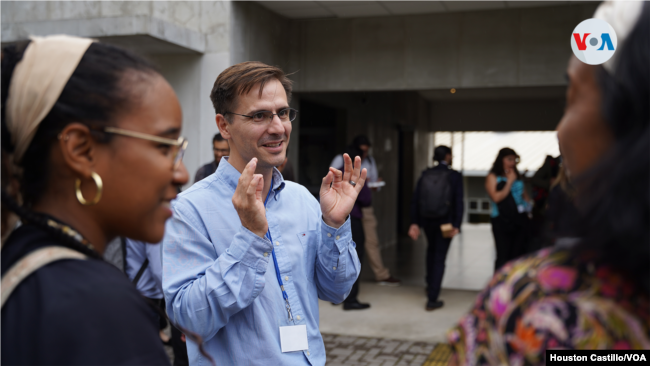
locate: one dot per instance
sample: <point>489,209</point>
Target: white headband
<point>37,82</point>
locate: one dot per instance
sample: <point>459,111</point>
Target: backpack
<point>435,194</point>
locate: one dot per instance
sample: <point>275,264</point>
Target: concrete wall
<point>514,47</point>
<point>200,26</point>
<point>192,77</point>
<point>257,34</point>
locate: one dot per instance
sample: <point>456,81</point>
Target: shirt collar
<point>230,176</point>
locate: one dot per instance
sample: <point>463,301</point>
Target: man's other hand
<point>337,195</point>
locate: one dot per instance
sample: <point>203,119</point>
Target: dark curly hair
<point>497,166</point>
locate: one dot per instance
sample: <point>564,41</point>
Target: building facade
<point>395,71</point>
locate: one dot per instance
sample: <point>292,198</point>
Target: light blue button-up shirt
<point>219,280</point>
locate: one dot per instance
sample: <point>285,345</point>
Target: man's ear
<point>223,126</point>
<point>78,149</point>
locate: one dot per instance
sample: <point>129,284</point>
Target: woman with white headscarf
<point>94,131</point>
<point>595,294</point>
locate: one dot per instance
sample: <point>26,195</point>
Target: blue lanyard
<point>275,261</point>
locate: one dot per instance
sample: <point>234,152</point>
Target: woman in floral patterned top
<point>594,295</point>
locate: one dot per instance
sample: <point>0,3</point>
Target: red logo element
<point>582,44</point>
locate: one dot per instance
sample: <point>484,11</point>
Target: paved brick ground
<point>362,351</point>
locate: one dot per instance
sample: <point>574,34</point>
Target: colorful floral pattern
<point>551,300</point>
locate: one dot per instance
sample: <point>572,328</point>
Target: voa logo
<point>593,41</point>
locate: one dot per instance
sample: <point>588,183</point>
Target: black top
<point>455,215</point>
<point>74,312</point>
<point>205,171</point>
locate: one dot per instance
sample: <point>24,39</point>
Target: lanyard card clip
<point>289,310</point>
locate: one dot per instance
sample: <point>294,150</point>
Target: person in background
<point>286,169</point>
<point>358,235</point>
<point>510,222</point>
<point>541,182</point>
<point>437,200</point>
<point>594,294</point>
<point>220,148</point>
<point>562,215</point>
<point>382,273</point>
<point>95,130</point>
<point>144,269</point>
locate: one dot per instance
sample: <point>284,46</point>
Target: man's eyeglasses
<point>285,115</point>
<point>178,146</point>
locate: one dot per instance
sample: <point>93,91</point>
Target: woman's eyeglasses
<point>178,146</point>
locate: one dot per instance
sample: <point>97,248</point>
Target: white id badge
<point>293,338</point>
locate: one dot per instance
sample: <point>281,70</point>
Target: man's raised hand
<point>248,200</point>
<point>337,194</point>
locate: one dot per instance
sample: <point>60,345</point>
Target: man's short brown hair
<point>240,79</point>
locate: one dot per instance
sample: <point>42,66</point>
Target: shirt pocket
<point>309,242</point>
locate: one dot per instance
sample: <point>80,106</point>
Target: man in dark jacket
<point>220,148</point>
<point>430,210</point>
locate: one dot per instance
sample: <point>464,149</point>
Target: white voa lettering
<point>642,358</point>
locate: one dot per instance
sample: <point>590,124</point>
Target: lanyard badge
<point>275,263</point>
<point>293,338</point>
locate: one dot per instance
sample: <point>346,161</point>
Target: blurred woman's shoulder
<point>552,299</point>
<point>77,311</point>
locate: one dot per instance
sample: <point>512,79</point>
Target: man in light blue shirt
<point>247,255</point>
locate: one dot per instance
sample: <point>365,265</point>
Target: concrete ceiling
<point>354,9</point>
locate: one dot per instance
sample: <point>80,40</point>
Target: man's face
<point>267,140</point>
<point>364,149</point>
<point>220,149</point>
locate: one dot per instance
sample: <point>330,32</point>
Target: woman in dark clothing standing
<point>95,130</point>
<point>510,223</point>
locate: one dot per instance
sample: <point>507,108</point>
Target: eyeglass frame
<point>272,114</point>
<point>181,142</point>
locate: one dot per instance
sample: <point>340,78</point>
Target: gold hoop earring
<point>98,195</point>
